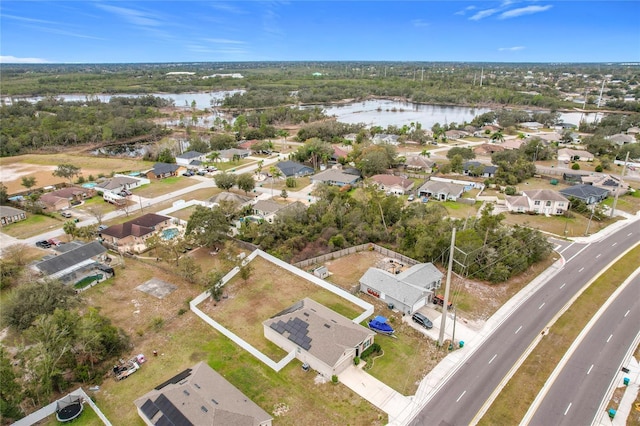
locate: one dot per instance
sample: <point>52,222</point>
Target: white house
<point>568,154</point>
<point>191,159</point>
<point>392,184</point>
<point>321,337</point>
<point>539,201</point>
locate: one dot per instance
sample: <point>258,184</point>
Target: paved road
<point>465,391</point>
<point>576,394</point>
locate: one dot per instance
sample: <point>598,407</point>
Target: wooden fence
<point>304,264</point>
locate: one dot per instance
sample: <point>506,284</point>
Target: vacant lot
<point>248,303</point>
<point>164,186</point>
<point>34,224</point>
<point>13,169</point>
<point>575,226</point>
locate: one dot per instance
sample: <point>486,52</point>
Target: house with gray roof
<point>419,162</point>
<point>269,209</point>
<point>475,168</point>
<point>568,154</point>
<point>622,139</point>
<point>162,170</point>
<point>335,177</point>
<point>441,191</point>
<point>407,291</point>
<point>119,182</point>
<point>74,262</point>
<point>538,201</point>
<point>10,215</point>
<point>391,184</point>
<point>613,184</point>
<point>293,169</point>
<point>321,337</point>
<point>588,193</point>
<point>231,154</point>
<point>199,396</point>
<point>384,138</point>
<point>190,158</point>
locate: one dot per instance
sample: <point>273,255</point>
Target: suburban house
<point>162,170</point>
<point>407,291</point>
<point>419,162</point>
<point>455,134</point>
<point>550,137</point>
<point>293,169</point>
<point>268,210</point>
<point>335,177</point>
<point>130,236</point>
<point>75,262</point>
<point>391,184</point>
<point>512,143</point>
<point>475,168</point>
<point>199,396</point>
<point>64,198</point>
<point>119,182</point>
<point>381,138</point>
<point>10,215</point>
<point>190,159</point>
<point>539,201</point>
<point>610,183</point>
<point>531,125</point>
<point>322,338</point>
<point>568,154</point>
<point>232,154</point>
<point>622,139</point>
<point>441,191</point>
<point>588,193</point>
<point>487,149</point>
<point>247,145</point>
<point>226,197</point>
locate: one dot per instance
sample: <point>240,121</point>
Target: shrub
<point>157,323</point>
<point>599,168</point>
<point>182,311</point>
<point>334,379</point>
<point>510,190</point>
<point>575,166</point>
<point>356,361</point>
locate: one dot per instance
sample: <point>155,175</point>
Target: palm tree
<point>497,136</point>
<point>215,156</point>
<point>426,153</point>
<point>275,173</point>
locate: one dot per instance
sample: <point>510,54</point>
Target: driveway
<point>373,390</point>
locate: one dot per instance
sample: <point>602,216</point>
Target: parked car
<point>201,172</point>
<point>66,214</point>
<point>418,318</point>
<point>187,173</point>
<point>102,227</point>
<point>125,193</point>
<point>411,197</point>
<point>43,244</point>
<point>54,242</point>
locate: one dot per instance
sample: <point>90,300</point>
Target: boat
<point>379,325</point>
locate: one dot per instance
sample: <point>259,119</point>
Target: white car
<point>411,197</point>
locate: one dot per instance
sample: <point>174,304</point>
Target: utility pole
<point>481,75</point>
<point>422,78</point>
<point>446,288</point>
<point>615,200</point>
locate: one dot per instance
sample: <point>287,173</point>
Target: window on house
<point>548,204</point>
<point>536,203</point>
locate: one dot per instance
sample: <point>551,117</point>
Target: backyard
<point>159,187</point>
<point>35,224</point>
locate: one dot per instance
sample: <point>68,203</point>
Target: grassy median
<point>517,396</point>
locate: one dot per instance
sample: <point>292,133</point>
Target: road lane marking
<point>563,284</point>
<point>581,250</point>
<point>492,358</point>
<point>599,254</point>
<point>567,410</point>
<point>541,305</point>
<point>581,269</point>
<point>589,371</point>
<point>519,328</point>
<point>627,313</point>
<point>609,338</point>
<point>612,245</point>
<point>629,234</point>
<point>457,400</point>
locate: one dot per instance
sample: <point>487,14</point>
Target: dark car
<point>43,244</point>
<point>417,317</point>
<point>187,173</point>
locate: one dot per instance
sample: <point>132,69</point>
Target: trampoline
<point>69,408</point>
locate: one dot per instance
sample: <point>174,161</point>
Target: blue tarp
<point>379,324</point>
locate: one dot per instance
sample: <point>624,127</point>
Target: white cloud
<point>223,41</point>
<point>528,10</point>
<point>465,10</point>
<point>511,49</point>
<point>30,20</point>
<point>15,60</point>
<point>483,14</point>
<point>225,7</point>
<point>419,23</point>
<point>132,16</point>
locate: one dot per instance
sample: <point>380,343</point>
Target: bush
<point>510,190</point>
<point>356,361</point>
<point>599,168</point>
<point>182,311</point>
<point>334,379</point>
<point>575,166</point>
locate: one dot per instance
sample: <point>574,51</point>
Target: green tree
<point>30,300</point>
<point>456,163</point>
<point>275,174</point>
<point>189,269</point>
<point>465,153</point>
<point>207,227</point>
<point>214,285</point>
<point>10,391</point>
<point>70,228</point>
<point>497,136</point>
<point>240,125</point>
<point>67,171</point>
<point>28,182</point>
<point>284,194</point>
<point>246,182</point>
<point>225,181</point>
<point>4,195</point>
<point>166,156</point>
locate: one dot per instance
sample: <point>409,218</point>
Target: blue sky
<point>301,30</point>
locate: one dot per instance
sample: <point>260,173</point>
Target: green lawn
<point>629,203</point>
<point>164,186</point>
<point>34,224</point>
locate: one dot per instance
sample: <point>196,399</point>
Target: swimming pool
<point>89,185</point>
<point>169,234</point>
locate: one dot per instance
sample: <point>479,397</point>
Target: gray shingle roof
<point>584,191</point>
<point>291,168</point>
<point>189,154</point>
<point>71,258</point>
<point>163,168</point>
<point>408,286</point>
<point>10,211</point>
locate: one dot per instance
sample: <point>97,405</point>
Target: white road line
<point>613,244</point>
<point>629,234</point>
<point>541,305</point>
<point>567,410</point>
<point>589,371</point>
<point>519,328</point>
<point>492,358</point>
<point>565,249</point>
<point>563,284</point>
<point>627,313</point>
<point>581,269</point>
<point>581,250</point>
<point>457,400</point>
<point>609,338</point>
<point>599,254</point>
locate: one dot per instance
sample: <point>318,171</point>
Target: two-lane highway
<point>583,382</point>
<point>471,385</point>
